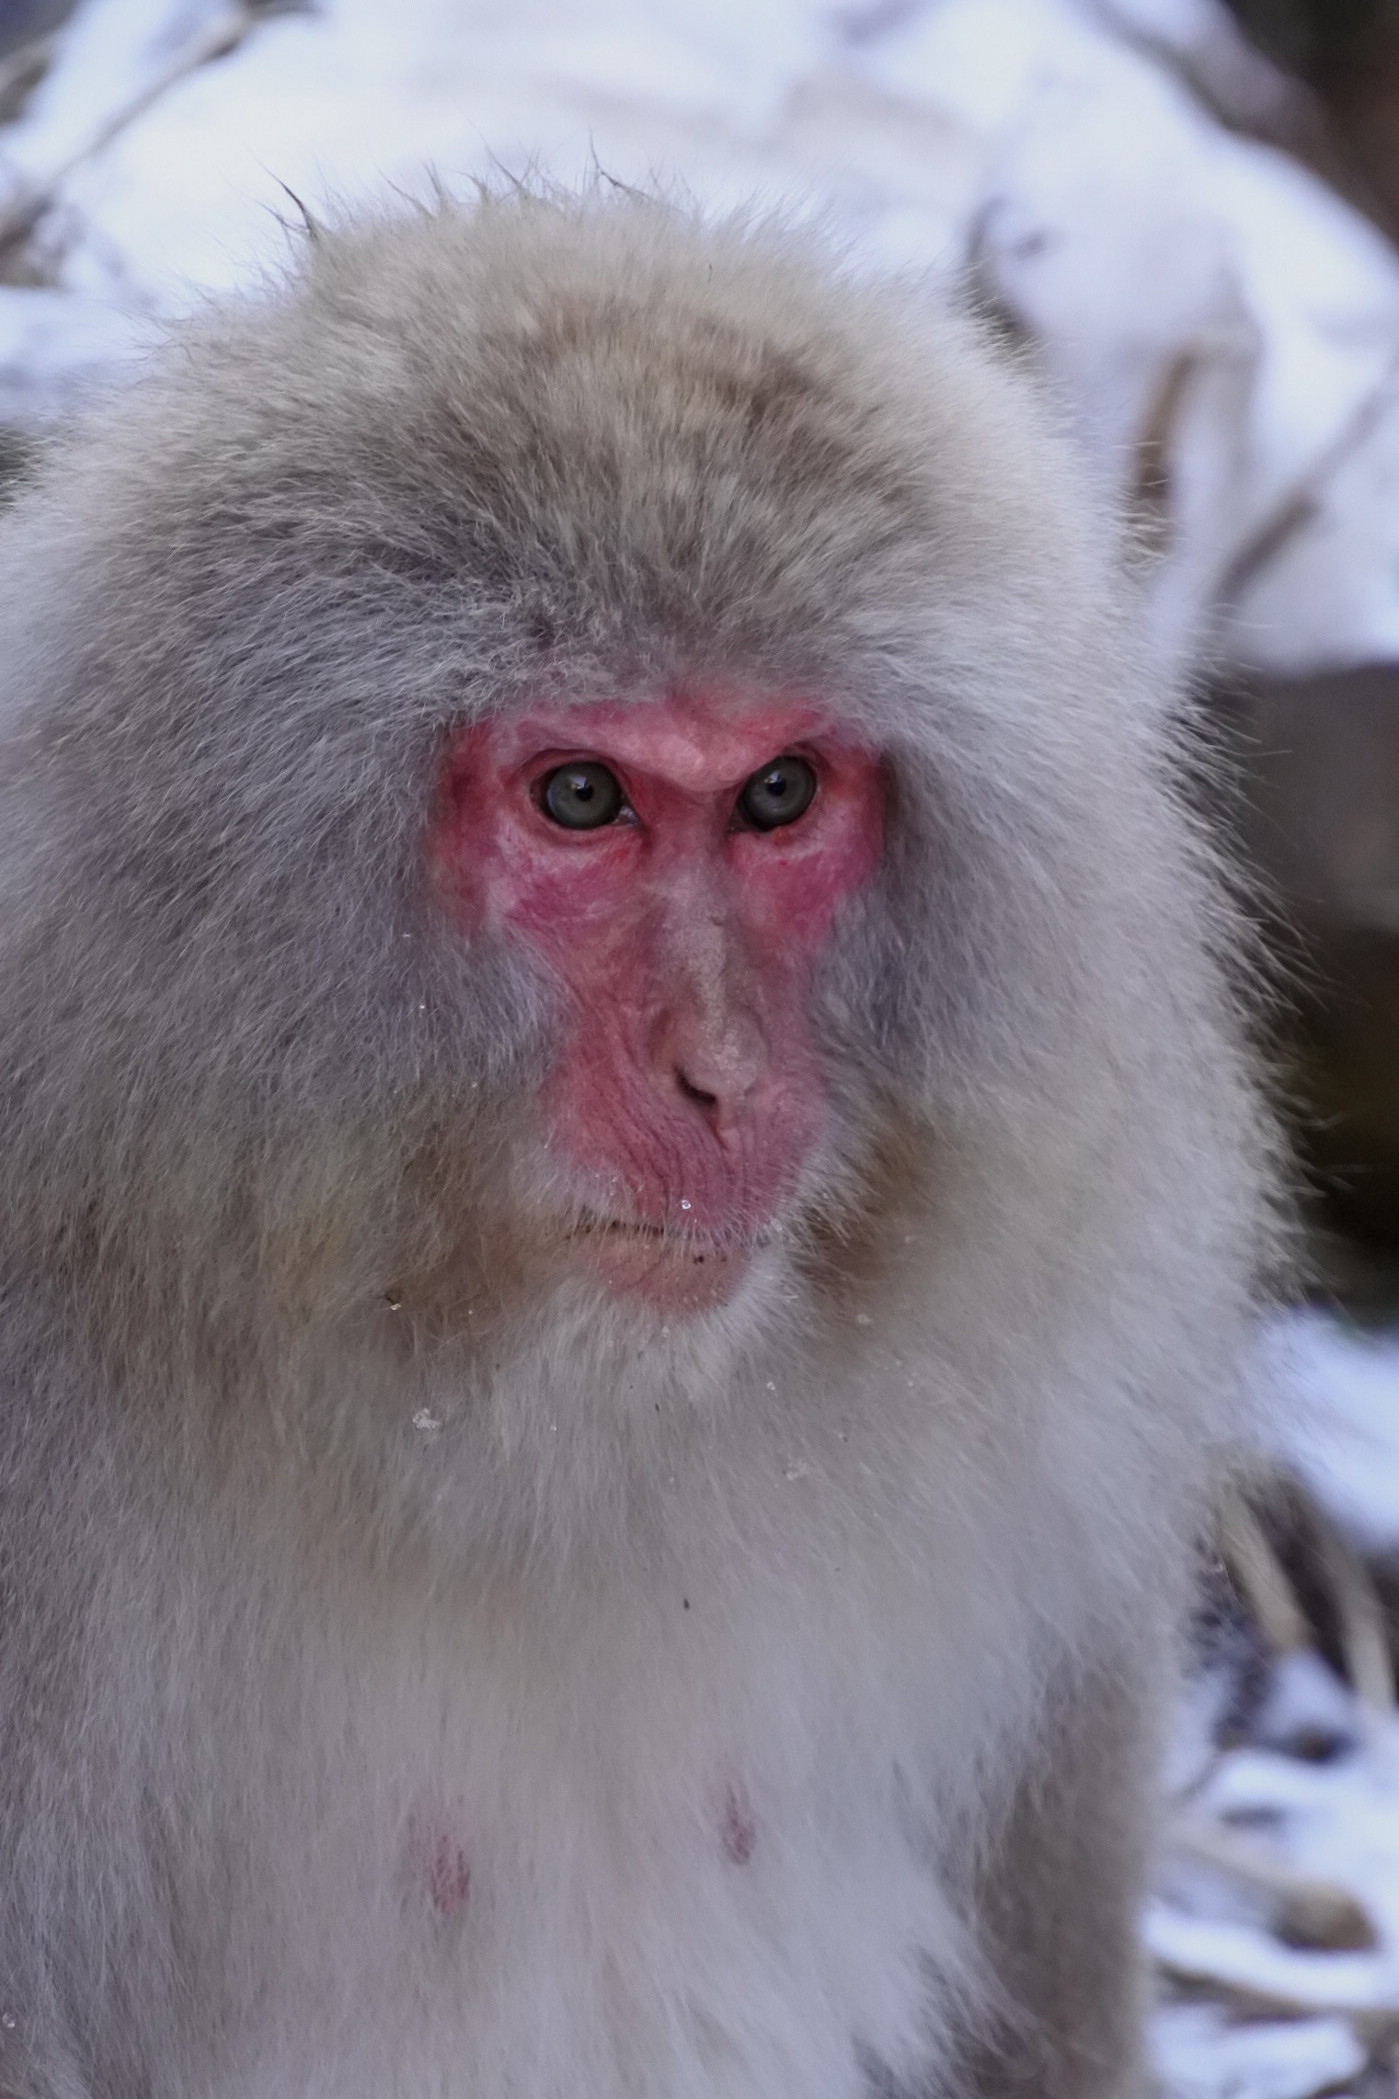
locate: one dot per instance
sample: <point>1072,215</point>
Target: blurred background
<point>1186,212</point>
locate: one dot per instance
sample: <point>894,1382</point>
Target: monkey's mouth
<point>675,1271</point>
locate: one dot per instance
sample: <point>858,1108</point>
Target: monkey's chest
<point>551,1925</point>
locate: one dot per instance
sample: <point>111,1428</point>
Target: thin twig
<point>1261,1578</point>
<point>216,39</point>
<point>1301,502</point>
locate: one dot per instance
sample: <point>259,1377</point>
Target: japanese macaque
<point>631,1194</point>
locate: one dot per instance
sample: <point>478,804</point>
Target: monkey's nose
<point>718,1071</point>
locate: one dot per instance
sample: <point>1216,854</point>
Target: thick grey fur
<point>337,1522</point>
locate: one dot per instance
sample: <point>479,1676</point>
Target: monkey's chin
<point>674,1274</point>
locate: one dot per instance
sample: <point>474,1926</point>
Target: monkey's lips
<point>674,1271</point>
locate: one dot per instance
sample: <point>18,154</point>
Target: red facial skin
<point>687,1090</point>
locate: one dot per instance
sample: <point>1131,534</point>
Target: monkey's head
<point>572,771</point>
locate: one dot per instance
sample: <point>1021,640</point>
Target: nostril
<point>694,1093</point>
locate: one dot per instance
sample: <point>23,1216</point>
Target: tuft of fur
<point>782,1690</point>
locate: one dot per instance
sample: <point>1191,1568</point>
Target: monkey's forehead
<point>708,424</point>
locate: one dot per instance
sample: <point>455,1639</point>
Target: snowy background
<point>1155,206</point>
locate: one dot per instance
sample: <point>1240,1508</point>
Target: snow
<point>1337,1821</point>
<point>50,342</point>
<point>1341,1428</point>
<point>1311,1801</point>
<point>1201,2056</point>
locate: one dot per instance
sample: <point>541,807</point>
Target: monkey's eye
<point>778,793</point>
<point>581,797</point>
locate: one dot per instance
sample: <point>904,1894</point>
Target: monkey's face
<point>677,866</point>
